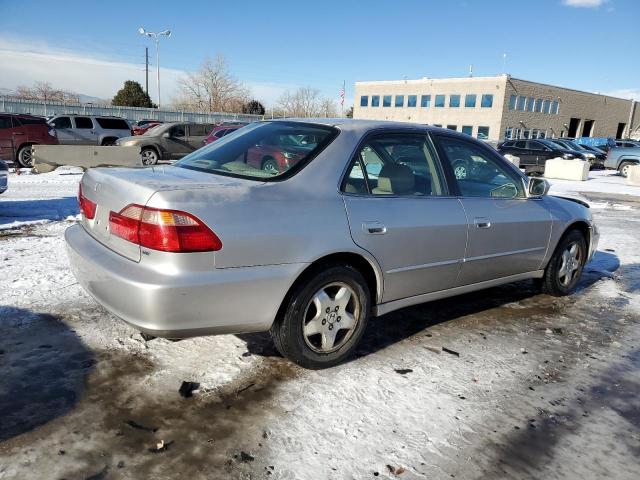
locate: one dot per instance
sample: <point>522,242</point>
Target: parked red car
<point>18,132</point>
<point>277,154</point>
<point>219,132</point>
<point>142,126</point>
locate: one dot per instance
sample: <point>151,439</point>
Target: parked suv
<point>89,130</point>
<point>19,132</point>
<point>534,153</point>
<point>595,158</point>
<point>621,158</point>
<point>168,141</point>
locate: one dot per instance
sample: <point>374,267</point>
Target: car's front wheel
<point>624,169</point>
<point>24,157</point>
<point>565,267</point>
<point>324,318</point>
<point>271,166</point>
<point>149,156</point>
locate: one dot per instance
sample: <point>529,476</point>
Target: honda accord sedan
<point>367,218</point>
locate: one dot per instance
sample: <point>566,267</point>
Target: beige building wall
<point>605,111</point>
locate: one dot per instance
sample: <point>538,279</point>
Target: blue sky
<point>274,45</point>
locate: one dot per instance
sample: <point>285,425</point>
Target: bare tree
<point>306,102</point>
<point>212,89</point>
<point>43,91</point>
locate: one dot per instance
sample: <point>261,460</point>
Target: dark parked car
<point>168,141</point>
<point>534,153</point>
<point>595,158</point>
<point>19,132</point>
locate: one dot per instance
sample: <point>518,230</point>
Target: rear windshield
<point>264,150</point>
<point>113,123</point>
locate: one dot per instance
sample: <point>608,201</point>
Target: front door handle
<point>374,228</point>
<point>482,222</point>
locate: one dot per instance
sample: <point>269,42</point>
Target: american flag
<point>342,95</point>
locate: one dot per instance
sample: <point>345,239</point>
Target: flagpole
<point>344,84</point>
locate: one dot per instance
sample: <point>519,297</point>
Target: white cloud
<point>24,63</point>
<point>583,3</point>
<point>630,93</point>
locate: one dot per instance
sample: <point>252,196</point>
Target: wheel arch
<point>582,226</point>
<point>108,137</point>
<point>19,147</point>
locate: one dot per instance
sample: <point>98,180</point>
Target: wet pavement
<point>503,383</point>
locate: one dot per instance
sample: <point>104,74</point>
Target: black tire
<point>288,330</point>
<point>24,157</point>
<point>149,156</point>
<point>109,142</point>
<point>270,165</point>
<point>623,169</point>
<point>552,282</point>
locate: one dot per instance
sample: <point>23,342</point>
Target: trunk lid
<point>112,189</point>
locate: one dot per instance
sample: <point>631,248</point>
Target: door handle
<point>482,222</point>
<point>374,228</point>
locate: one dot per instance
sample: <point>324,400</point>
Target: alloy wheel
<point>571,261</point>
<point>25,158</point>
<point>149,157</point>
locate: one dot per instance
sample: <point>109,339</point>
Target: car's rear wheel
<point>24,157</point>
<point>565,267</point>
<point>324,318</point>
<point>149,156</point>
<point>624,168</point>
<point>270,165</point>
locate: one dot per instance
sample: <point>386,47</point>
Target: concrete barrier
<point>513,159</point>
<point>49,157</point>
<point>566,169</point>
<point>633,177</point>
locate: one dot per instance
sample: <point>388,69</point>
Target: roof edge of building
<point>575,90</point>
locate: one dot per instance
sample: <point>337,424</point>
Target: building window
<point>526,134</point>
<point>508,133</point>
<point>483,133</point>
<point>547,107</point>
<point>554,107</point>
<point>468,129</point>
<point>375,100</point>
<point>512,102</point>
<point>530,104</point>
<point>516,134</point>
<point>437,125</point>
<point>364,101</point>
<point>487,100</point>
<point>399,101</point>
<point>542,134</point>
<point>539,105</point>
<point>452,127</point>
<point>386,101</point>
<point>454,101</point>
<point>439,101</point>
<point>521,103</point>
<point>412,100</point>
<point>425,101</point>
<point>470,100</point>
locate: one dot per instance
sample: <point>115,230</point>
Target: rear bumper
<point>230,300</point>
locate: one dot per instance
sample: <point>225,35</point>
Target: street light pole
<point>156,37</point>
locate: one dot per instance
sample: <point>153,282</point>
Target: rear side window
<point>395,164</point>
<point>83,122</point>
<point>112,123</point>
<point>5,122</point>
<point>61,122</point>
<point>199,131</point>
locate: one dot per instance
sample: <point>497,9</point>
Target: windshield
<point>154,130</point>
<point>550,144</point>
<point>264,150</point>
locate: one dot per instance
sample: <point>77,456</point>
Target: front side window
<point>386,101</point>
<point>454,101</point>
<point>439,101</point>
<point>470,100</point>
<point>412,100</point>
<point>62,122</point>
<point>5,122</point>
<point>399,101</point>
<point>425,101</point>
<point>262,150</point>
<point>375,100</point>
<point>512,102</point>
<point>84,122</point>
<point>395,164</point>
<point>478,171</point>
<point>467,129</point>
<point>487,100</point>
<point>364,101</point>
<point>177,131</point>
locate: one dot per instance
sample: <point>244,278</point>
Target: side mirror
<point>166,135</point>
<point>537,187</point>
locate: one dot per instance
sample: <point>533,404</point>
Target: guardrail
<point>14,105</point>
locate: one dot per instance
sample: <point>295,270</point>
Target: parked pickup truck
<point>621,158</point>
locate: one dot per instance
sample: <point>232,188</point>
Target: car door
<point>399,210</point>
<point>85,132</point>
<point>64,131</point>
<point>6,139</point>
<point>197,134</point>
<point>508,232</point>
<point>177,142</point>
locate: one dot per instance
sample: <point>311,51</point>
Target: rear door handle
<point>482,222</point>
<point>374,228</point>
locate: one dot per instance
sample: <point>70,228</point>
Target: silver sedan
<point>308,228</point>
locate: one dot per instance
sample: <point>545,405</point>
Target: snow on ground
<point>540,388</point>
<point>600,181</point>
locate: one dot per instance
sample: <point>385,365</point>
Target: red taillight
<point>87,207</point>
<point>165,230</point>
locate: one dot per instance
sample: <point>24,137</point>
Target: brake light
<point>87,207</point>
<point>164,230</point>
